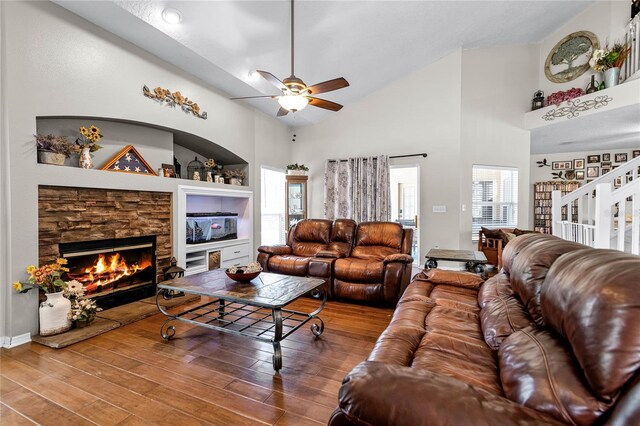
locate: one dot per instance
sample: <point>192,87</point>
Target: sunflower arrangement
<point>210,163</point>
<point>89,138</point>
<point>47,277</point>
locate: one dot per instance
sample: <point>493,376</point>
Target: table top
<point>457,255</point>
<point>267,290</point>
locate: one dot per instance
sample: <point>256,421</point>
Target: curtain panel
<point>357,188</point>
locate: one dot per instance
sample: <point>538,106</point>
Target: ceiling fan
<point>296,95</point>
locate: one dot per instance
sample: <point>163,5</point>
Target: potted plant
<point>87,143</point>
<point>55,310</point>
<point>610,61</point>
<point>297,169</point>
<point>235,176</point>
<point>83,312</point>
<point>53,149</point>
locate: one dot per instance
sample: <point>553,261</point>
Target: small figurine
<point>209,177</point>
<point>196,175</point>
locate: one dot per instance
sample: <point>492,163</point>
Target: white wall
<point>419,113</point>
<point>57,64</point>
<point>495,87</point>
<point>606,19</point>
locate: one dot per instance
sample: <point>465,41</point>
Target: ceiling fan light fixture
<point>172,16</point>
<point>293,102</point>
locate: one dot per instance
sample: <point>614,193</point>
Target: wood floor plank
<point>130,376</point>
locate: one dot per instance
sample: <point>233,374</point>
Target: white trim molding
<point>12,342</point>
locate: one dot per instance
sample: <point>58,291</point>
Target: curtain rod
<point>423,154</point>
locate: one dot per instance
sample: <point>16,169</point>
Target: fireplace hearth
<point>113,271</point>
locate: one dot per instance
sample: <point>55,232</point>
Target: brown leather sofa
<point>553,339</point>
<point>365,262</point>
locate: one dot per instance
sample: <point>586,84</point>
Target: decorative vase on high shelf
<point>54,314</point>
<point>86,162</point>
<point>48,157</point>
<point>611,77</point>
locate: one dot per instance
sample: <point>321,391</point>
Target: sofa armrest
<point>375,393</point>
<point>398,257</point>
<point>331,253</point>
<point>274,250</point>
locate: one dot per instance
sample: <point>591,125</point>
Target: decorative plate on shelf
<point>569,58</point>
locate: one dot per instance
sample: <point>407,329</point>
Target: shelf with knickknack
<point>542,221</point>
<point>151,150</point>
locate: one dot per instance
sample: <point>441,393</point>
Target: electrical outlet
<point>439,209</point>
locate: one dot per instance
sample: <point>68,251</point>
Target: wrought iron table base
<point>261,323</point>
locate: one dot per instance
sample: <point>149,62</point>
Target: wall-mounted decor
<point>593,171</point>
<point>576,106</point>
<point>606,157</point>
<point>129,160</point>
<point>580,174</point>
<point>591,159</point>
<point>174,99</point>
<point>569,58</point>
<point>543,163</point>
<point>168,170</point>
<point>621,158</point>
<point>561,165</point>
<point>578,164</point>
<point>605,164</point>
<point>635,153</point>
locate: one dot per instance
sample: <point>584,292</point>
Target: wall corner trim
<point>12,342</point>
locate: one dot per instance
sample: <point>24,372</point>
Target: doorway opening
<point>405,202</point>
<point>272,206</point>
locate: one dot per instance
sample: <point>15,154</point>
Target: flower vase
<point>611,77</point>
<point>54,314</point>
<point>86,162</point>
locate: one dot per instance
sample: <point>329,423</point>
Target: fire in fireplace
<point>114,271</point>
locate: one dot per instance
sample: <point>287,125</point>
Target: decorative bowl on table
<point>244,274</point>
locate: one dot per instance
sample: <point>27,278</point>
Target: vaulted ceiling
<point>370,43</point>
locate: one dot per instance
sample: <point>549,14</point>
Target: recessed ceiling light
<point>172,16</point>
<point>253,75</point>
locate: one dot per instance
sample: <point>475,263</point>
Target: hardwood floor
<point>130,376</point>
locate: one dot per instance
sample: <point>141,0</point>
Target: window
<point>272,205</point>
<point>494,198</point>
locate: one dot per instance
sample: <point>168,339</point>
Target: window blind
<point>494,198</point>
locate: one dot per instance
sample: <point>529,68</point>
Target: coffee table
<point>255,309</point>
<point>475,260</point>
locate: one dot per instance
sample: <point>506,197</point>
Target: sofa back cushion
<point>537,371</point>
<point>377,240</point>
<point>530,267</point>
<point>512,250</point>
<point>343,232</point>
<point>310,236</point>
<point>592,299</point>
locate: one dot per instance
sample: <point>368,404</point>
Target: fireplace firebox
<point>114,271</point>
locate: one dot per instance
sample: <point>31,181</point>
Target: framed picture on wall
<point>593,171</point>
<point>621,157</point>
<point>635,153</point>
<point>562,165</point>
<point>605,170</point>
<point>606,157</point>
<point>580,174</point>
<point>593,159</point>
<point>605,164</point>
<point>617,182</point>
<point>578,164</point>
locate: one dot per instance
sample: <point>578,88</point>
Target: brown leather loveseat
<point>554,339</point>
<point>366,262</point>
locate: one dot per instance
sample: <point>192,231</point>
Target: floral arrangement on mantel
<point>297,169</point>
<point>174,99</point>
<point>604,59</point>
<point>55,144</point>
<point>89,138</point>
<point>564,95</point>
<point>47,277</point>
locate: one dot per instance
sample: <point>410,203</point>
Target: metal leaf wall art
<point>165,96</point>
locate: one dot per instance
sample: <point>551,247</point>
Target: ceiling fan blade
<point>253,97</point>
<point>321,103</point>
<point>282,112</point>
<point>328,86</point>
<point>272,79</point>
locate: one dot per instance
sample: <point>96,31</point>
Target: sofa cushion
<point>342,234</point>
<point>512,250</point>
<point>598,313</point>
<point>289,265</point>
<point>359,270</point>
<point>386,234</point>
<point>517,232</point>
<point>501,317</point>
<point>454,322</point>
<point>537,371</point>
<point>311,236</point>
<point>367,292</point>
<point>494,287</point>
<point>458,297</point>
<point>455,278</point>
<point>530,268</point>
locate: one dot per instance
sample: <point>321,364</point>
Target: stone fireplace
<point>117,242</point>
